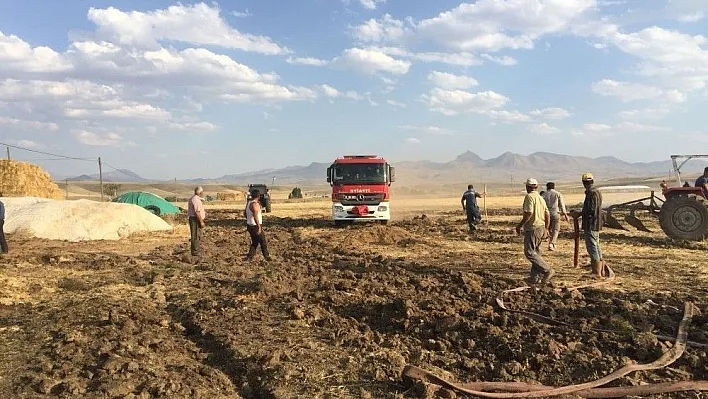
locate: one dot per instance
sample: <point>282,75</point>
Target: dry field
<point>339,311</point>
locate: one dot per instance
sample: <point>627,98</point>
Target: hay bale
<point>231,195</point>
<point>22,179</point>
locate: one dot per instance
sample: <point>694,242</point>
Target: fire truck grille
<point>361,199</point>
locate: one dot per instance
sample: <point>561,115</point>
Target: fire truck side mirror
<point>329,174</point>
<point>392,174</point>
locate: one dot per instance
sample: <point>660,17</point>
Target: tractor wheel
<point>383,222</point>
<point>685,218</point>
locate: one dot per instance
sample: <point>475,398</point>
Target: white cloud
<point>331,92</point>
<point>485,25</point>
<point>544,129</point>
<point>604,130</point>
<point>199,24</point>
<point>30,144</point>
<point>395,103</point>
<point>371,4</point>
<point>627,91</point>
<point>18,56</point>
<point>412,140</point>
<point>25,124</point>
<point>450,81</point>
<point>369,61</point>
<point>453,102</point>
<point>508,116</point>
<point>94,139</point>
<point>503,60</point>
<point>241,14</point>
<point>434,130</point>
<point>193,126</point>
<point>306,61</point>
<point>644,114</point>
<point>465,59</point>
<point>551,113</point>
<point>379,30</point>
<point>692,17</point>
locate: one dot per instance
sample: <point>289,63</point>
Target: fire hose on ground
<point>586,390</point>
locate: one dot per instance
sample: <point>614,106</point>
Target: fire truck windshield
<point>359,173</point>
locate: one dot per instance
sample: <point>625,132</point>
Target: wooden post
<point>484,201</point>
<point>100,176</point>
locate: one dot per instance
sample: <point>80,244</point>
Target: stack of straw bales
<point>231,195</point>
<point>21,179</point>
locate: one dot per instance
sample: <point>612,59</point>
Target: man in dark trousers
<point>254,224</point>
<point>3,241</point>
<point>592,224</point>
<point>196,214</point>
<point>535,223</point>
<point>469,205</point>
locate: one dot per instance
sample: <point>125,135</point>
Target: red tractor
<point>683,215</point>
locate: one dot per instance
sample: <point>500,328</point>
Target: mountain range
<point>466,167</point>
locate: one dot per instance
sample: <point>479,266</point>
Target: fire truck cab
<point>361,189</point>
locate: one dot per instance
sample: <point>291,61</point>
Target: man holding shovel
<point>592,224</point>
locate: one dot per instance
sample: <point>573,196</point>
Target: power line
<point>48,153</point>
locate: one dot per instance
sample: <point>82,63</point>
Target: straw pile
<point>21,179</point>
<point>80,220</point>
<point>231,195</point>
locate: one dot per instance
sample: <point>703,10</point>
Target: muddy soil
<point>338,313</point>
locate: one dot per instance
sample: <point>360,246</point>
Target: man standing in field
<point>469,205</point>
<point>702,181</point>
<point>254,224</point>
<point>535,224</point>
<point>3,241</point>
<point>197,214</point>
<point>592,224</point>
<point>556,208</point>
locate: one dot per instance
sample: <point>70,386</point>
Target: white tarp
<point>79,220</point>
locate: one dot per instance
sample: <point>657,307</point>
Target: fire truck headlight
<point>383,208</point>
<point>338,208</point>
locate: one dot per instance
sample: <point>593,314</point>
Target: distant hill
<point>119,175</point>
<point>467,167</point>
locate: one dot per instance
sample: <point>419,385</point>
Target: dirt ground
<point>338,313</point>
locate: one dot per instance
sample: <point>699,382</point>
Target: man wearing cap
<point>702,181</point>
<point>469,205</point>
<point>592,224</point>
<point>535,223</point>
<point>556,207</point>
<point>196,214</point>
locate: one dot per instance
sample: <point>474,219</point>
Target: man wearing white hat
<point>592,224</point>
<point>535,223</point>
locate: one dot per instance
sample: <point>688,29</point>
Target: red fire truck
<point>361,188</point>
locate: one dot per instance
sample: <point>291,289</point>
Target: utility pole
<point>66,187</point>
<point>8,153</point>
<point>100,176</point>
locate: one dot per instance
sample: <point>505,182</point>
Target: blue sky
<point>196,89</point>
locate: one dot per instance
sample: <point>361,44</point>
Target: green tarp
<point>151,202</point>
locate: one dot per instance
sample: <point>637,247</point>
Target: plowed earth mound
<point>335,315</point>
